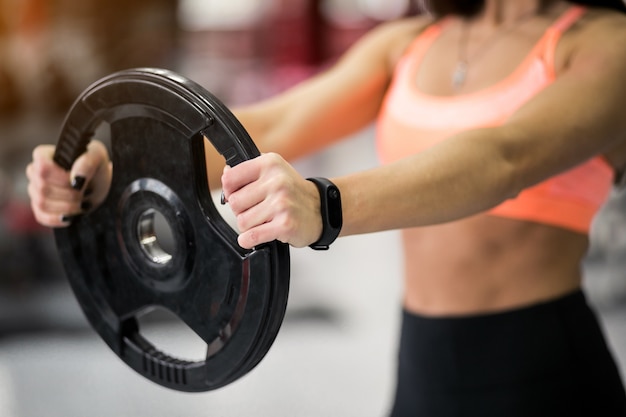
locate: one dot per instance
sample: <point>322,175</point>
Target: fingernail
<point>85,205</point>
<point>78,182</point>
<point>68,218</point>
<point>223,198</point>
<point>88,192</point>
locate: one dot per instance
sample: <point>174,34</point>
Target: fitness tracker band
<point>330,207</point>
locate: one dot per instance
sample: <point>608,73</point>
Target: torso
<point>487,263</point>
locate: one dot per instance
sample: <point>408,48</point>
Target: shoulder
<point>390,39</point>
<point>597,42</point>
<point>600,29</point>
<point>602,23</point>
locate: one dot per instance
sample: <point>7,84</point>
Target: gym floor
<point>334,355</point>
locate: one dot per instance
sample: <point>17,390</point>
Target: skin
<point>458,261</point>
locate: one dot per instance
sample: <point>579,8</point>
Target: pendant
<point>459,75</point>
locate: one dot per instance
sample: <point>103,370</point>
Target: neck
<point>498,13</point>
<point>497,20</point>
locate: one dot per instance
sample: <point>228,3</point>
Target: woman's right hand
<point>57,195</point>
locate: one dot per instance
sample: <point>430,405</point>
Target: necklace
<point>459,75</point>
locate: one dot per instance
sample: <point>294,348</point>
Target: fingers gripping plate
<point>234,299</point>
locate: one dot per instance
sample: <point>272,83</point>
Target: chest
<point>458,61</point>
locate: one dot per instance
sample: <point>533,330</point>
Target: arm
<point>561,127</point>
<point>579,116</point>
<point>279,124</point>
<point>330,106</point>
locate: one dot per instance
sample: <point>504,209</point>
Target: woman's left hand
<point>272,201</point>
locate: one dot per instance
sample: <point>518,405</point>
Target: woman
<point>501,128</point>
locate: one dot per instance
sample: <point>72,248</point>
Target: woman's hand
<point>272,201</point>
<point>56,195</point>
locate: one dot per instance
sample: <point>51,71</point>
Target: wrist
<point>330,211</point>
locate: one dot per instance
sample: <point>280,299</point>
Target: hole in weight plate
<point>164,329</point>
<point>155,236</point>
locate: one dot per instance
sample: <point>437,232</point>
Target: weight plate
<point>233,299</point>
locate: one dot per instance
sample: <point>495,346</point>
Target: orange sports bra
<point>411,121</point>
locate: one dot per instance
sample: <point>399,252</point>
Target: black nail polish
<point>78,182</point>
<point>86,206</point>
<point>223,198</point>
<point>88,192</point>
<point>68,218</point>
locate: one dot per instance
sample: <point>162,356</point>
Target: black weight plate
<point>234,299</point>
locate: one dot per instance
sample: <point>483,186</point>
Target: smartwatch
<point>330,207</point>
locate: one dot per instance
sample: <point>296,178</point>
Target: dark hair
<point>471,7</point>
<point>611,4</point>
<point>446,7</point>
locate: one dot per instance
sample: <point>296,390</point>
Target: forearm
<point>462,176</point>
<point>458,178</point>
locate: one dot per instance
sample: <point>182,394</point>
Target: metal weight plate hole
<point>171,335</point>
<point>156,238</point>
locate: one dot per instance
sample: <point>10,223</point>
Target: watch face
<point>334,206</point>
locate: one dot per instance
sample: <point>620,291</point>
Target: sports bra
<point>411,121</point>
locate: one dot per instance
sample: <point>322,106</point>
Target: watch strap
<point>330,208</point>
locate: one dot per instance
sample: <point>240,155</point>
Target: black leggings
<point>548,360</point>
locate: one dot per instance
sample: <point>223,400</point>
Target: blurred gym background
<point>335,353</point>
